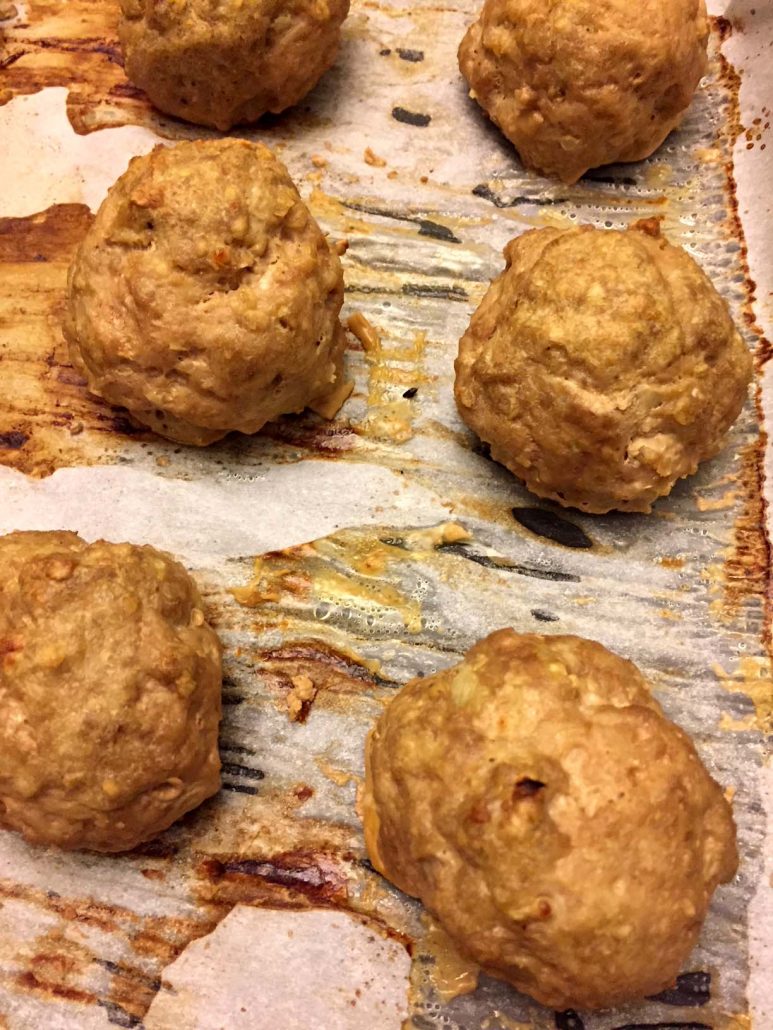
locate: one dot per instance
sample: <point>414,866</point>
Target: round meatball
<point>575,84</point>
<point>539,803</point>
<point>205,297</point>
<point>601,366</point>
<point>110,685</point>
<point>227,62</point>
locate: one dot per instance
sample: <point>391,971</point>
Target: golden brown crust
<point>227,62</point>
<point>601,366</point>
<point>204,297</point>
<point>539,803</point>
<point>574,85</point>
<point>110,684</point>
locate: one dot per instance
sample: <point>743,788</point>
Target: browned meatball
<point>574,84</point>
<point>226,62</point>
<point>601,366</point>
<point>204,297</point>
<point>539,803</point>
<point>110,685</point>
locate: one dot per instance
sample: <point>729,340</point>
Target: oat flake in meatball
<point>110,684</point>
<point>601,366</point>
<point>561,828</point>
<point>205,297</point>
<point>574,84</point>
<point>227,62</point>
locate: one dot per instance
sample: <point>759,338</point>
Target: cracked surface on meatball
<point>540,804</point>
<point>601,366</point>
<point>110,683</point>
<point>227,62</point>
<point>575,84</point>
<point>205,297</point>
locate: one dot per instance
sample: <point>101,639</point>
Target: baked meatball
<point>109,692</point>
<point>205,297</point>
<point>601,366</point>
<point>540,804</point>
<point>227,62</point>
<point>574,84</point>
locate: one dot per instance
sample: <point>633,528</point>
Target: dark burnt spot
<point>440,292</point>
<point>722,26</point>
<point>239,788</point>
<point>690,990</point>
<point>107,48</point>
<point>411,392</point>
<point>236,769</point>
<point>385,52</point>
<point>12,58</point>
<point>437,231</point>
<point>158,848</point>
<point>414,56</point>
<point>426,226</point>
<point>552,527</point>
<point>299,653</point>
<point>486,193</point>
<point>542,616</point>
<point>328,438</point>
<point>315,876</point>
<point>126,91</point>
<point>117,1014</point>
<point>303,792</point>
<point>526,787</point>
<point>400,114</point>
<point>13,441</point>
<point>507,565</point>
<point>568,1020</point>
<point>123,424</point>
<point>609,180</point>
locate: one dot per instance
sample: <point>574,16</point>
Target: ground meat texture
<point>110,683</point>
<point>575,84</point>
<point>601,366</point>
<point>227,62</point>
<point>543,808</point>
<point>204,297</point>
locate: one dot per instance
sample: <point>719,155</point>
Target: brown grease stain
<point>73,45</point>
<point>47,420</point>
<point>294,879</point>
<point>56,961</point>
<point>746,570</point>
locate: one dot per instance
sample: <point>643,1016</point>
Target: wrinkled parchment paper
<point>361,596</point>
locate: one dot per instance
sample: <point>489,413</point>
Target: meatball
<point>110,685</point>
<point>227,62</point>
<point>575,84</point>
<point>205,297</point>
<point>540,804</point>
<point>601,366</point>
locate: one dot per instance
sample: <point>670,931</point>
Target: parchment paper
<point>85,940</point>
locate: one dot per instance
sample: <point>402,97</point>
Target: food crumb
<point>373,159</point>
<point>299,700</point>
<point>319,161</point>
<point>365,332</point>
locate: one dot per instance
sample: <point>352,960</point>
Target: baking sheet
<point>84,940</point>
